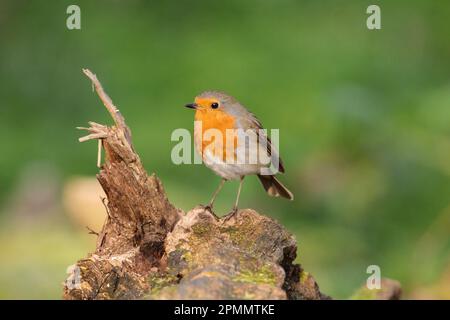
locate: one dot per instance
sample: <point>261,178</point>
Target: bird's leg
<point>235,207</point>
<point>209,207</point>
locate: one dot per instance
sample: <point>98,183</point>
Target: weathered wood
<point>249,256</point>
<point>131,243</point>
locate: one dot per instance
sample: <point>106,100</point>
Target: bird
<point>220,113</point>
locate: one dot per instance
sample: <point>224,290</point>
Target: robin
<point>221,113</point>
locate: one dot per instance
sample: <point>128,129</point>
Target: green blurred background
<point>364,119</point>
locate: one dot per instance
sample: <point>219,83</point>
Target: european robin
<point>226,116</point>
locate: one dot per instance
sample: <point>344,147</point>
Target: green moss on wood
<point>158,281</point>
<point>304,276</point>
<point>202,229</point>
<point>264,275</point>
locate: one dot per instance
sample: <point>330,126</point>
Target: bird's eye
<point>214,105</point>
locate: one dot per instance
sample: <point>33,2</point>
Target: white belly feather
<point>247,162</point>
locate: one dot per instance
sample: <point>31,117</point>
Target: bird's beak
<point>191,105</point>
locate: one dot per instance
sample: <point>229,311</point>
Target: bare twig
<point>97,131</point>
<point>99,153</point>
<point>112,109</point>
<point>115,114</point>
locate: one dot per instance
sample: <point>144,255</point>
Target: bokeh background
<point>364,119</point>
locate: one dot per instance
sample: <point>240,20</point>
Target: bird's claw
<point>230,214</point>
<point>210,209</point>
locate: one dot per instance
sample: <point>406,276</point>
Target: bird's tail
<point>274,187</point>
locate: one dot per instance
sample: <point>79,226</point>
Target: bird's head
<point>210,101</point>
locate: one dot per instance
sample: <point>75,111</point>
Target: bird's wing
<point>254,123</point>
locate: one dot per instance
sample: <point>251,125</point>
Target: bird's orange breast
<point>221,121</point>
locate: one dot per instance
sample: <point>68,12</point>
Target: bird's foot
<point>230,215</point>
<point>209,208</point>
